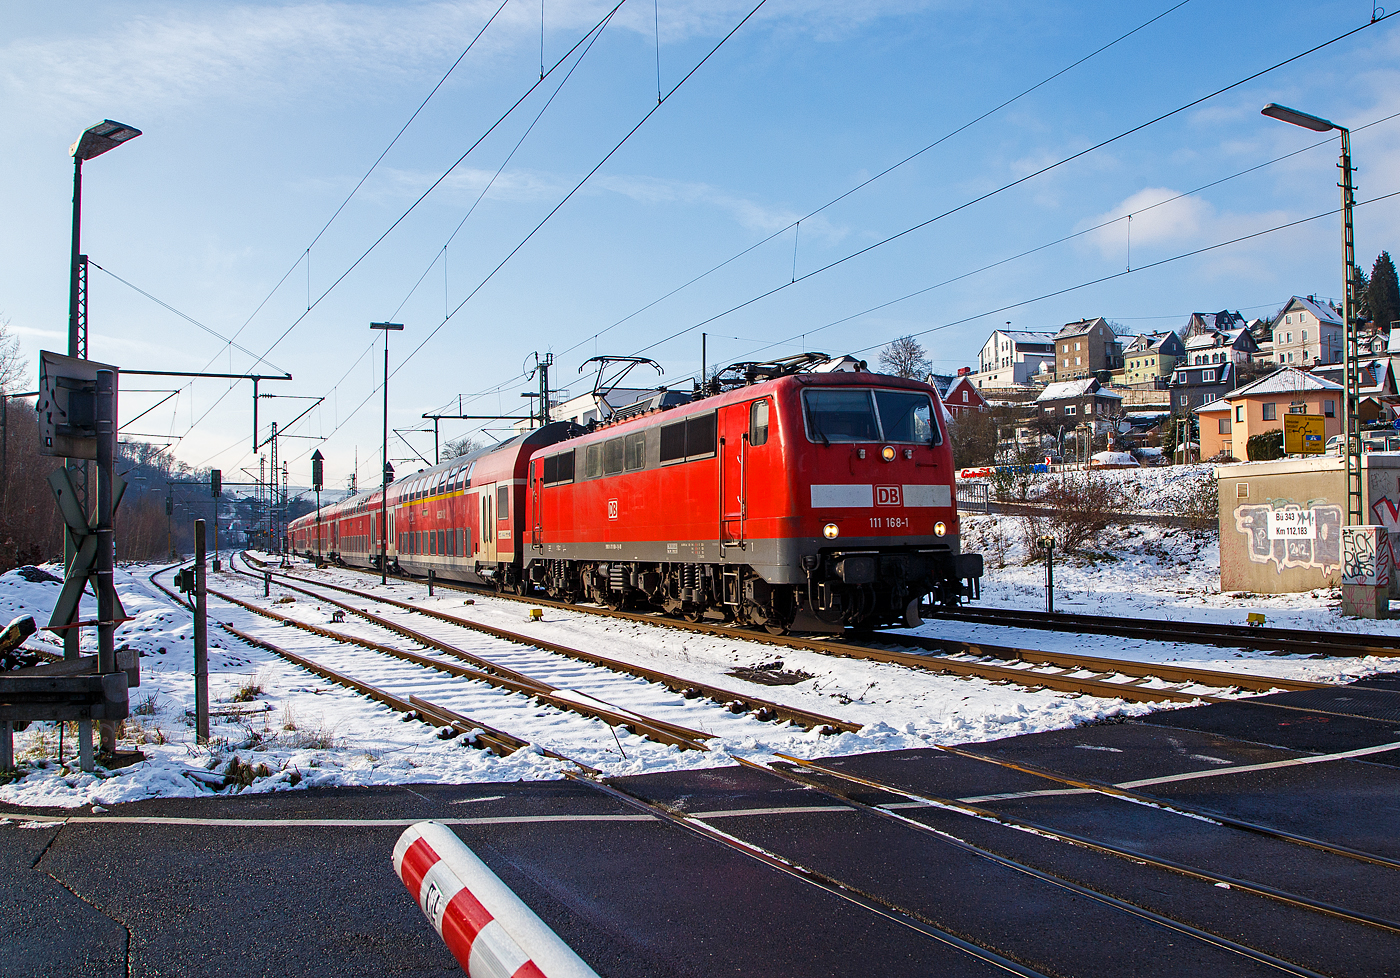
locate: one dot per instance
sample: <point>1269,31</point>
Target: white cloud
<point>181,57</point>
<point>749,214</point>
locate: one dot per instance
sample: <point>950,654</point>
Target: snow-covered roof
<point>1321,310</point>
<point>1219,404</point>
<point>1081,327</point>
<point>1074,388</point>
<point>1026,336</point>
<point>1285,380</point>
<point>1203,341</point>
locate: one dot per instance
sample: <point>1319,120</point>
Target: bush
<point>1075,510</point>
<point>1265,446</point>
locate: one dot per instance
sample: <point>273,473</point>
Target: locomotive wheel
<point>694,614</point>
<point>615,600</point>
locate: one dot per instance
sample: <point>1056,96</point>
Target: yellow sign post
<point>1304,434</point>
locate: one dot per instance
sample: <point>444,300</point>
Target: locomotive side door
<point>733,458</point>
<point>536,517</point>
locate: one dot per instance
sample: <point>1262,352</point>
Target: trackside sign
<point>1292,524</point>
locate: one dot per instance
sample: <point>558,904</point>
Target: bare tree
<point>905,357</point>
<point>458,447</point>
<point>12,365</point>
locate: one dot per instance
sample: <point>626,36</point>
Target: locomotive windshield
<point>850,415</point>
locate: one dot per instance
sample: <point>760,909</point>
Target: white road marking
<point>391,822</point>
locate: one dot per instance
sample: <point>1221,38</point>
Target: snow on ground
<point>276,727</point>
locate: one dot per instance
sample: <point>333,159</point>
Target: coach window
<point>593,462</point>
<point>503,502</point>
<point>758,422</point>
<point>468,480</point>
<point>612,456</point>
<point>636,451</point>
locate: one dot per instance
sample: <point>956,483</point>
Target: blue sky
<point>260,118</point>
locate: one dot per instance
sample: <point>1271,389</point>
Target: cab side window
<point>758,422</point>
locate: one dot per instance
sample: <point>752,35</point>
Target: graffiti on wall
<point>1366,557</point>
<point>1323,551</point>
<point>1387,514</point>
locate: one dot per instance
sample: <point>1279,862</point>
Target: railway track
<point>1264,639</point>
<point>818,777</point>
<point>1032,668</point>
<point>981,947</point>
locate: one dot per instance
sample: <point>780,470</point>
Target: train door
<point>733,456</point>
<point>487,505</point>
<point>536,516</point>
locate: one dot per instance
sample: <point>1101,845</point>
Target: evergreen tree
<point>1361,296</point>
<point>1383,293</point>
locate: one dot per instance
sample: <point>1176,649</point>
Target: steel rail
<point>493,739</point>
<point>1175,807</point>
<point>1194,632</point>
<point>893,912</point>
<point>945,661</point>
<point>765,710</point>
<point>651,728</point>
<point>1132,909</point>
<point>1132,855</point>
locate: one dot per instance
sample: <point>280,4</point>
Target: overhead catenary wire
<point>578,186</point>
<point>1010,185</point>
<point>872,179</point>
<point>1068,237</point>
<point>372,168</point>
<point>526,239</point>
<point>447,310</point>
<point>412,207</point>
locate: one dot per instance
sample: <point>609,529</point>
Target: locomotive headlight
<point>831,531</point>
<point>887,453</point>
<point>940,528</point>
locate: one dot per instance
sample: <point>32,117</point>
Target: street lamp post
<point>1350,352</point>
<point>95,140</point>
<point>387,473</point>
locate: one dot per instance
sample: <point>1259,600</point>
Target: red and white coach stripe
<point>488,929</point>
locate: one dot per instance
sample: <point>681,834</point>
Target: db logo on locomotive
<point>887,496</point>
<point>612,509</point>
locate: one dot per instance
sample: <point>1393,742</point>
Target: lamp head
<point>96,140</point>
<point>1292,116</point>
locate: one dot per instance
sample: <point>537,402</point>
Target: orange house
<point>1228,423</point>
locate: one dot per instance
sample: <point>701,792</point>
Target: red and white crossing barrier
<point>488,929</point>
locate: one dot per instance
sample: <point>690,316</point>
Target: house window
<point>1329,409</point>
<point>1290,358</point>
<point>1270,411</point>
<point>1239,413</point>
<point>1224,426</point>
<point>1076,359</point>
<point>1207,376</point>
<point>1305,336</point>
<point>1289,337</point>
<point>1297,408</point>
<point>1288,319</point>
<point>1076,348</point>
<point>1071,409</point>
<point>964,397</point>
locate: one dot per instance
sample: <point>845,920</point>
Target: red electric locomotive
<point>787,498</point>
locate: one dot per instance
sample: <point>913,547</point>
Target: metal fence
<point>973,497</point>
